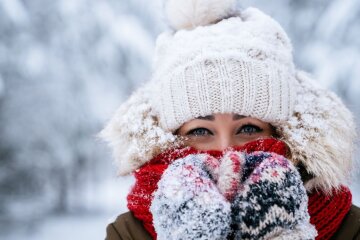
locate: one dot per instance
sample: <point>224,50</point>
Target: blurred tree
<point>64,66</point>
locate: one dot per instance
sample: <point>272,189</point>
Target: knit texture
<point>147,177</point>
<point>272,201</point>
<point>227,173</point>
<point>187,203</point>
<point>242,65</point>
<point>328,211</point>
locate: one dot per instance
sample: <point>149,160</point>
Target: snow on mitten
<point>226,172</point>
<point>187,203</point>
<point>271,202</point>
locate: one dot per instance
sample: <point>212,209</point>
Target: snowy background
<point>65,66</point>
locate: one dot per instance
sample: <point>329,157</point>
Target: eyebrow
<point>238,117</point>
<point>208,117</point>
<point>212,118</point>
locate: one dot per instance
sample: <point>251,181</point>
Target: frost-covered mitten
<point>187,203</point>
<point>226,172</point>
<point>271,202</point>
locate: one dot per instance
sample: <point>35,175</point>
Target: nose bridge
<point>225,140</point>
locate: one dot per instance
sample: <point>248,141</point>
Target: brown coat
<point>127,227</point>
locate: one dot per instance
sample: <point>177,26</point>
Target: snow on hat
<point>320,134</point>
<point>218,59</point>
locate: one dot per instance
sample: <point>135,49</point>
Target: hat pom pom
<point>188,14</point>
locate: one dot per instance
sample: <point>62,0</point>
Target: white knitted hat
<point>242,64</point>
<point>217,60</point>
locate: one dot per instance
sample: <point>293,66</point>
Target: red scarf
<point>326,213</point>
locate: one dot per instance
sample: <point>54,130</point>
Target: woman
<point>228,140</point>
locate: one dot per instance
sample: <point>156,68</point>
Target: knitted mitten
<point>271,202</point>
<point>226,172</point>
<point>187,203</point>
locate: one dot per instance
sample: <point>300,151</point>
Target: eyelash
<point>257,129</point>
<point>240,130</point>
<point>193,132</point>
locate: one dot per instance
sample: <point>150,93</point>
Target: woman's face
<point>220,131</point>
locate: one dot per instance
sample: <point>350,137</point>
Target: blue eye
<point>249,129</point>
<point>199,132</point>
